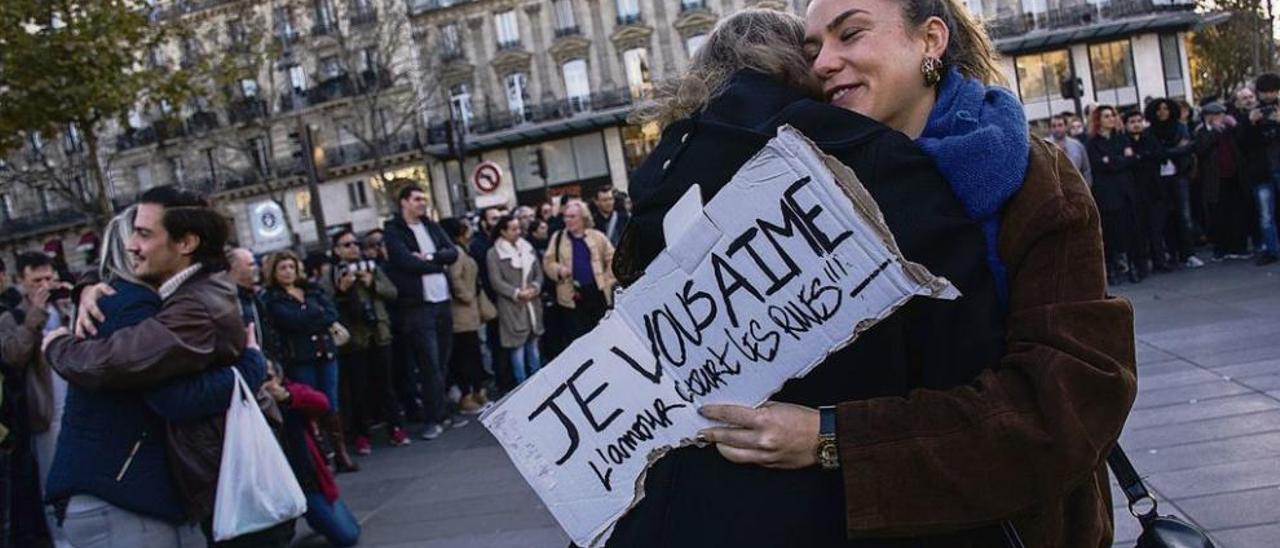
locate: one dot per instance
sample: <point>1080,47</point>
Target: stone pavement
<point>1205,432</point>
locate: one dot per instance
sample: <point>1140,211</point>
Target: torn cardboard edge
<point>801,156</point>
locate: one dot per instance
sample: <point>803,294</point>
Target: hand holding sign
<point>789,262</point>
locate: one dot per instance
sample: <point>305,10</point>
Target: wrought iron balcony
<point>203,121</point>
<point>561,32</point>
<point>692,5</point>
<point>367,16</point>
<point>450,56</point>
<point>323,28</point>
<point>1075,13</point>
<point>539,113</point>
<point>508,45</point>
<point>247,110</point>
<point>629,19</point>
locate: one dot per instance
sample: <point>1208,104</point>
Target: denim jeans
<point>321,376</point>
<point>93,523</point>
<point>525,360</point>
<point>1265,192</point>
<point>333,521</point>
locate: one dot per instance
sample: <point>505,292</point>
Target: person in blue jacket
<point>110,476</point>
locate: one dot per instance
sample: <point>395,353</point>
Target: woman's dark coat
<point>694,497</point>
<point>1112,171</point>
<point>303,328</point>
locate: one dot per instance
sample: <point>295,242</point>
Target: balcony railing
<point>17,227</point>
<point>367,16</point>
<point>1079,13</point>
<point>422,6</point>
<point>508,45</point>
<point>135,137</point>
<point>203,121</point>
<point>693,5</point>
<point>355,153</point>
<point>449,56</point>
<point>323,28</point>
<point>169,128</point>
<point>561,32</point>
<point>629,19</point>
<point>247,110</point>
<point>539,113</point>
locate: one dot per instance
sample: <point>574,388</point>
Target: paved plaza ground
<point>1205,432</point>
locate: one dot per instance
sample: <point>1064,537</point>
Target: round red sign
<point>487,176</point>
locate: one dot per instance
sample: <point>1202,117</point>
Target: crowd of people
<point>113,433</point>
<point>1171,177</point>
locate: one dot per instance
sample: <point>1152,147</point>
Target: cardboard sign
<point>789,262</point>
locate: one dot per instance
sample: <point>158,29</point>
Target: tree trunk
<point>103,209</point>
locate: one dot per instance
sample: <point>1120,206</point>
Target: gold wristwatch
<point>828,451</point>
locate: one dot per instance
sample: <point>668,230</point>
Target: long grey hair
<point>113,260</point>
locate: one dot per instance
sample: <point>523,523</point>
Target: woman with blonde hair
<point>945,433</point>
<point>579,261</point>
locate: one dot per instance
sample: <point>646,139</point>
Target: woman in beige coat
<point>465,367</point>
<point>516,277</point>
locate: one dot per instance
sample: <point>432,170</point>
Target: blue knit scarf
<point>978,136</point>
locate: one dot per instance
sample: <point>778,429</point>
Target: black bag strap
<point>1131,483</point>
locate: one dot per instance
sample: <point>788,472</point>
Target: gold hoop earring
<point>931,67</point>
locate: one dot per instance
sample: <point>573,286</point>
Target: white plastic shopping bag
<point>256,486</point>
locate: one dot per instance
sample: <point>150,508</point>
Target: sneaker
<point>1193,262</point>
<point>469,405</point>
<point>1239,256</point>
<point>399,438</point>
<point>432,432</point>
<point>456,421</point>
<point>1266,259</point>
<point>363,447</point>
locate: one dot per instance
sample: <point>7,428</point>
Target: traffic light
<point>1071,88</point>
<point>538,163</point>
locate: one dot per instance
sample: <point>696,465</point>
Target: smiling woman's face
<point>869,60</point>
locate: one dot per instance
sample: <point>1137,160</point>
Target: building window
<point>72,142</point>
<point>693,43</point>
<point>1171,60</point>
<point>324,15</point>
<point>297,79</point>
<point>638,141</point>
<point>508,29</point>
<point>357,195</point>
<point>460,104</point>
<point>628,11</point>
<point>142,174</point>
<point>569,160</point>
<point>369,59</point>
<point>518,95</point>
<point>6,207</point>
<point>1113,76</point>
<point>449,41</point>
<point>236,34</point>
<point>260,154</point>
<point>577,85</point>
<point>636,62</point>
<point>248,88</point>
<point>1040,75</point>
<point>302,201</point>
<point>284,24</point>
<point>177,170</point>
<point>134,121</point>
<point>46,200</point>
<point>564,18</point>
<point>330,67</point>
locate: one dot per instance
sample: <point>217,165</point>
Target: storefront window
<point>638,142</point>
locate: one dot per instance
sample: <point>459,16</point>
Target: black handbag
<point>1157,531</point>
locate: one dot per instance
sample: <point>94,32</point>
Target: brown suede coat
<point>1029,438</point>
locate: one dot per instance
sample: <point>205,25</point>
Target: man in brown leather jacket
<point>177,247</point>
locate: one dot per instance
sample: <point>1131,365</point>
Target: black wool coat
<point>694,497</point>
<point>1112,170</point>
